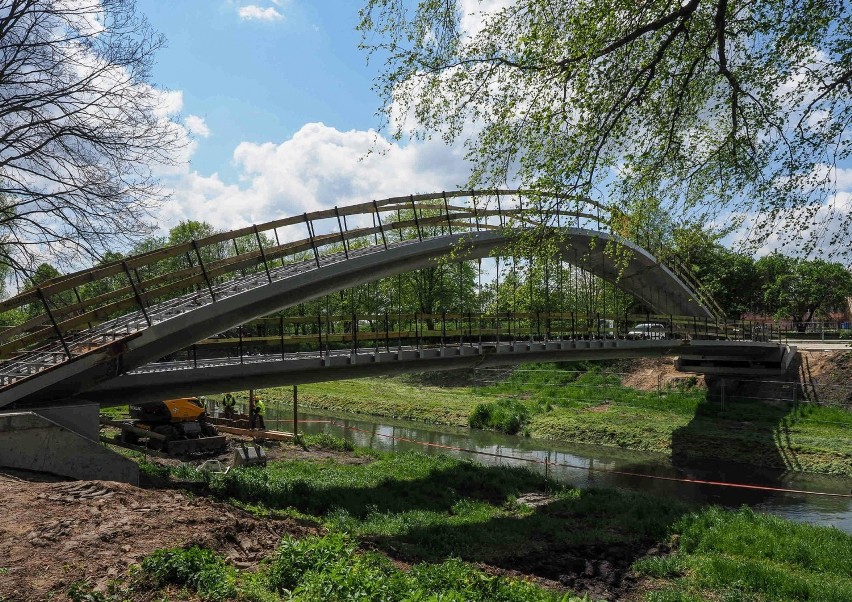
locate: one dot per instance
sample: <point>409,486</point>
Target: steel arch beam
<point>637,272</point>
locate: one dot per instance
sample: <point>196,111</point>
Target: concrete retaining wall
<point>29,441</point>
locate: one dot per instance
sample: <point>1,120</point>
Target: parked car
<point>648,331</point>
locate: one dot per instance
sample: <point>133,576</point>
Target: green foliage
<point>197,568</point>
<point>661,567</point>
<point>715,109</point>
<point>798,288</point>
<point>326,441</point>
<point>153,469</point>
<point>744,555</point>
<point>295,557</point>
<point>506,415</point>
<point>83,591</point>
<point>330,568</point>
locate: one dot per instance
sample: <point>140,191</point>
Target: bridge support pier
<point>61,440</point>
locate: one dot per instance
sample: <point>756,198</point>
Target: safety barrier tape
<point>606,470</point>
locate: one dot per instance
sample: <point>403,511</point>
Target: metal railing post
<point>447,211</point>
<point>262,253</point>
<point>416,220</point>
<point>342,234</point>
<point>204,269</point>
<point>387,332</point>
<point>80,301</point>
<point>381,227</point>
<point>311,237</point>
<point>475,211</point>
<point>136,293</point>
<point>241,342</point>
<point>53,321</point>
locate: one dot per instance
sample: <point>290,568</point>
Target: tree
<point>714,106</point>
<point>81,129</point>
<point>800,289</point>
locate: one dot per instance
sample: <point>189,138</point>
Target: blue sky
<point>279,101</point>
<point>260,80</point>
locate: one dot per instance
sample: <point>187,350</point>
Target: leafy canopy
<point>717,107</point>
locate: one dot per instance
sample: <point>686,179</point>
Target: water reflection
<point>584,465</point>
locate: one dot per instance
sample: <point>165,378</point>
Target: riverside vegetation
<point>582,403</point>
<point>416,527</point>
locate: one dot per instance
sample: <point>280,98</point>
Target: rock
<point>567,580</point>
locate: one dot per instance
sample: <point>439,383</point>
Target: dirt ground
<point>53,533</point>
<point>826,372</point>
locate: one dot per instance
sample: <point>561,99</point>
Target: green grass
<point>388,397</point>
<point>199,569</point>
<point>442,515</point>
<point>590,406</point>
<point>749,556</point>
<point>332,568</point>
<point>430,508</point>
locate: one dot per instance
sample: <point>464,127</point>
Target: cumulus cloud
<point>197,126</point>
<point>252,12</point>
<point>318,167</point>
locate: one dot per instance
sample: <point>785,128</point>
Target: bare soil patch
<point>647,374</point>
<point>55,533</point>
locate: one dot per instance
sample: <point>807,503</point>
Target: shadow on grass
<point>740,433</point>
<point>508,518</point>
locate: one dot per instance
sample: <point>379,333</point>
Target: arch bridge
<point>100,333</point>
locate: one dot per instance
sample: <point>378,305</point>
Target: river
<point>584,465</point>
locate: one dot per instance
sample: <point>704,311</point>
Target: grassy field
<point>593,407</point>
<point>438,517</point>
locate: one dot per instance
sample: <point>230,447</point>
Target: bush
<point>296,557</point>
<point>506,415</point>
<point>326,441</point>
<point>198,568</point>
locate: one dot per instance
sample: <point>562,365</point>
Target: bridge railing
<point>72,315</point>
<point>327,333</point>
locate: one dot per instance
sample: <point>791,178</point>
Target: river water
<point>584,465</point>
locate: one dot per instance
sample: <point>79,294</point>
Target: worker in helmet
<point>229,402</point>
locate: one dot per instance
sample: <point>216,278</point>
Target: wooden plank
<point>255,433</point>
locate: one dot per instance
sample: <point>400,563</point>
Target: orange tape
<point>590,469</point>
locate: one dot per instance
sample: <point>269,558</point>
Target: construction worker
<point>229,403</point>
<point>258,411</point>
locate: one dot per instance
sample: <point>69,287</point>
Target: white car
<point>648,331</point>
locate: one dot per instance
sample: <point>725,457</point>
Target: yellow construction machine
<point>175,426</point>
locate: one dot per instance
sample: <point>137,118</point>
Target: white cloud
<point>197,126</point>
<point>475,14</point>
<point>252,12</point>
<point>317,167</point>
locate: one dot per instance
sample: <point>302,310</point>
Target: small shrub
<point>368,576</point>
<point>506,415</point>
<point>82,591</point>
<point>296,557</point>
<point>152,469</point>
<point>197,568</point>
<point>326,441</point>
